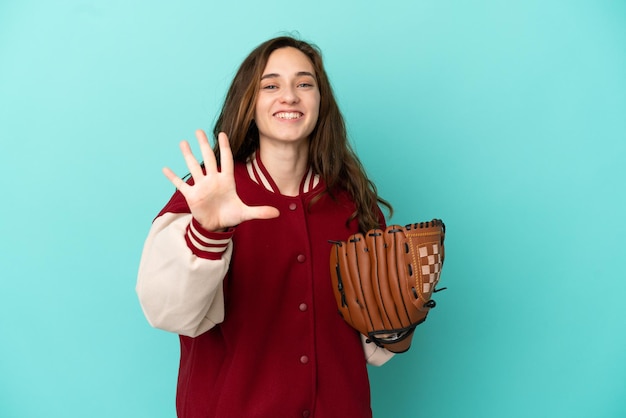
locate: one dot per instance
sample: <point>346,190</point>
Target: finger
<point>192,163</point>
<point>171,176</point>
<point>207,153</point>
<point>260,212</point>
<point>226,155</point>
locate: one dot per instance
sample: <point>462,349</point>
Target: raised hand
<point>213,198</point>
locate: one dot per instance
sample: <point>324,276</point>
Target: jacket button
<point>301,258</point>
<point>306,413</point>
<point>303,307</point>
<point>292,206</point>
<point>304,359</point>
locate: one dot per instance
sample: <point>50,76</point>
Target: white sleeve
<point>179,283</point>
<point>375,355</point>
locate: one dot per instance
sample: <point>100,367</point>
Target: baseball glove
<point>383,281</point>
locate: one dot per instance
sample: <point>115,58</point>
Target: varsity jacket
<point>260,335</point>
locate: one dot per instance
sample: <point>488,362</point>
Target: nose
<point>289,95</point>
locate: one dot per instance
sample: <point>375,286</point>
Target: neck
<point>287,164</point>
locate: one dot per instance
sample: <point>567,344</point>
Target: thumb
<point>261,212</point>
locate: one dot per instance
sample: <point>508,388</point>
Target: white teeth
<point>288,115</point>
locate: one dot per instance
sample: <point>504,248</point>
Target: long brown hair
<point>330,153</point>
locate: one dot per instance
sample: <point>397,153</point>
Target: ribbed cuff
<point>207,244</point>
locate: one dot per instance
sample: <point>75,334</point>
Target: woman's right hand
<point>213,198</point>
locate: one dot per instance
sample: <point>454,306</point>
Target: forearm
<point>180,276</point>
<point>375,355</point>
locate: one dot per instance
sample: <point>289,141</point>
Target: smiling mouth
<point>288,115</point>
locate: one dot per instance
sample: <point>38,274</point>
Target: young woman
<point>237,263</point>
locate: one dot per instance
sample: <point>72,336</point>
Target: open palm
<point>213,198</point>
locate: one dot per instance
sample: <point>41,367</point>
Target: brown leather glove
<point>384,280</point>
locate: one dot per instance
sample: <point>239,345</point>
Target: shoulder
<point>176,204</point>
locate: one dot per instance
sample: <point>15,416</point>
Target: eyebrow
<point>298,74</point>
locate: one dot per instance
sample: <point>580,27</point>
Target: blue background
<point>507,119</point>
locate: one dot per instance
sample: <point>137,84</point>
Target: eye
<point>270,87</point>
<point>306,85</point>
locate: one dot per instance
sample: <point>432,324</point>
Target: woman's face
<point>288,102</point>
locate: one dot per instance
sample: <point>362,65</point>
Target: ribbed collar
<point>259,174</point>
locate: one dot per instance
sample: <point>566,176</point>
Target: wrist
<point>207,244</point>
